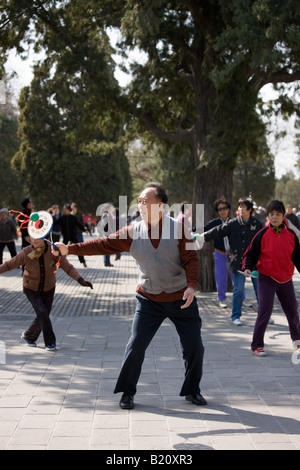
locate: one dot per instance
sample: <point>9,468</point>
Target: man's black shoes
<point>126,402</point>
<point>196,399</point>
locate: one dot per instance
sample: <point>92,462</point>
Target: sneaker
<point>51,347</point>
<point>31,344</point>
<point>246,303</point>
<point>271,321</point>
<point>259,352</point>
<point>296,344</point>
<point>222,304</point>
<point>237,322</point>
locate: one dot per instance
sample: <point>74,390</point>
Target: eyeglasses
<point>224,208</point>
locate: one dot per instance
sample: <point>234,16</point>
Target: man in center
<point>168,276</point>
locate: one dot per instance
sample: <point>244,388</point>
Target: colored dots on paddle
<point>34,217</point>
<point>38,224</point>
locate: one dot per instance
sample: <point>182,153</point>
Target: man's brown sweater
<point>121,242</point>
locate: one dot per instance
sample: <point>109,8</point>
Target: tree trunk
<point>211,180</point>
<point>210,183</point>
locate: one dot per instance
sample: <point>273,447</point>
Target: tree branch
<point>276,77</point>
<point>183,135</point>
<point>196,11</point>
<point>188,77</point>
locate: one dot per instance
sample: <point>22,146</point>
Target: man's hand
<point>247,271</point>
<point>63,249</point>
<point>188,295</point>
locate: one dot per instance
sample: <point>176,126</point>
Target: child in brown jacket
<point>39,286</point>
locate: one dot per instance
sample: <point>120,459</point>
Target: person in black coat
<point>27,208</point>
<point>291,216</point>
<point>69,225</point>
<point>240,232</point>
<point>221,246</point>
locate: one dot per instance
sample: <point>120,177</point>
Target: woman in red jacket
<point>275,250</point>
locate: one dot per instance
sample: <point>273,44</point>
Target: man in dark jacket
<point>69,225</point>
<point>292,217</point>
<point>8,234</point>
<point>27,208</point>
<point>240,232</point>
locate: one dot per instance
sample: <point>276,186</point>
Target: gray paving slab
<point>64,400</point>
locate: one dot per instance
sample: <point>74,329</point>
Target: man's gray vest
<point>160,269</point>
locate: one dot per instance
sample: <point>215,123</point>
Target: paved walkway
<point>65,400</point>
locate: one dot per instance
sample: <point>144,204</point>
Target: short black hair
<point>67,206</point>
<point>25,201</point>
<point>247,202</point>
<point>160,191</point>
<point>277,206</point>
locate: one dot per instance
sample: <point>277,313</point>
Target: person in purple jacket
<point>221,246</point>
<point>275,250</point>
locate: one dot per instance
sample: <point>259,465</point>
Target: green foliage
<point>143,166</point>
<point>68,151</point>
<point>175,171</point>
<point>71,124</point>
<point>205,67</point>
<point>288,190</point>
<point>255,172</point>
<point>10,183</point>
<point>205,64</point>
<point>255,178</point>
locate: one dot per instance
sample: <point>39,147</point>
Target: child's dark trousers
<point>42,303</point>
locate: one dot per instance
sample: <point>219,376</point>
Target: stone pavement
<point>65,400</point>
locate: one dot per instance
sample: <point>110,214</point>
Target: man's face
<point>3,217</point>
<point>150,208</point>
